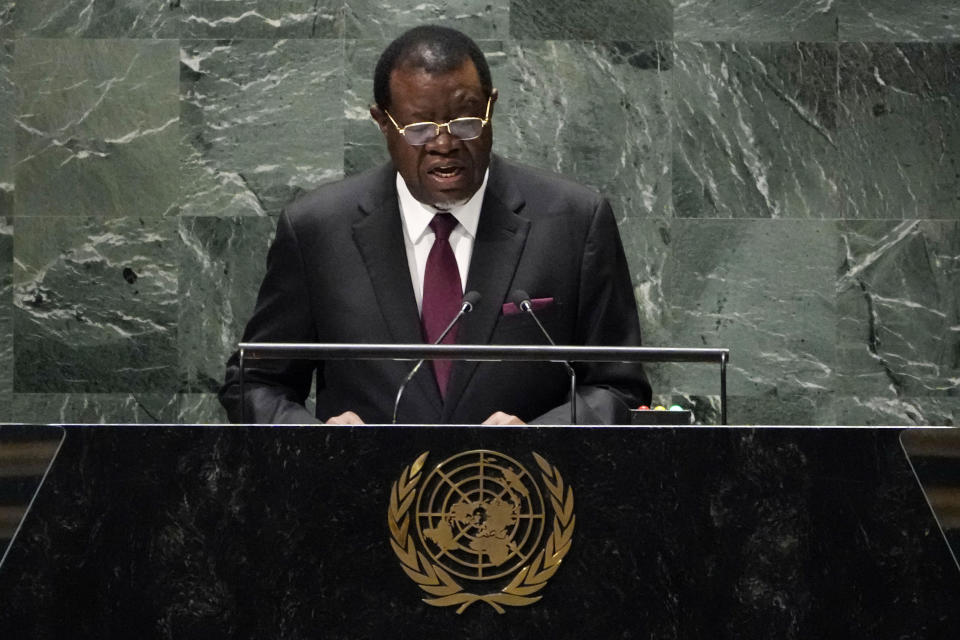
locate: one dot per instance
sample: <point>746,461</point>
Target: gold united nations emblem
<point>479,518</point>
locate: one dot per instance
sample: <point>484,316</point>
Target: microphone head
<point>520,298</point>
<point>470,300</point>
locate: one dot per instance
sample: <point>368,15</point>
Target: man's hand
<point>503,418</point>
<point>347,417</point>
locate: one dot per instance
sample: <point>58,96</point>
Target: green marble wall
<point>786,176</point>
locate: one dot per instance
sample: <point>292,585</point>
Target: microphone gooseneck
<point>470,300</point>
<point>521,299</point>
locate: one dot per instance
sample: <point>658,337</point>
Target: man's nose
<point>444,143</point>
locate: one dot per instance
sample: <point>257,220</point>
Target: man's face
<point>446,170</point>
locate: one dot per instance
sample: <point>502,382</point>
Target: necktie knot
<point>443,225</point>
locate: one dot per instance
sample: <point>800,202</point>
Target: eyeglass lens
<point>463,128</point>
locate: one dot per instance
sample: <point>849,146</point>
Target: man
<point>382,257</point>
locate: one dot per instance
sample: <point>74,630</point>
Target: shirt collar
<point>417,216</point>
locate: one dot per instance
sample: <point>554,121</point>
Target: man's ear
<point>494,94</point>
<point>380,118</point>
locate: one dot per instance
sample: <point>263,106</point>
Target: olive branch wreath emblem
<point>438,582</point>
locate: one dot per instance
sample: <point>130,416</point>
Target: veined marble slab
<point>594,111</point>
<point>7,8</point>
<point>898,297</point>
<point>6,222</point>
<point>6,316</point>
<point>97,127</point>
<point>481,19</point>
<point>7,101</point>
<point>261,19</point>
<point>363,144</point>
<point>260,123</point>
<point>94,408</point>
<point>887,409</point>
<point>647,244</point>
<point>755,130</point>
<point>596,20</point>
<point>222,261</point>
<point>752,20</point>
<point>95,305</point>
<point>97,18</point>
<point>897,21</point>
<point>7,134</point>
<point>899,131</point>
<point>762,288</point>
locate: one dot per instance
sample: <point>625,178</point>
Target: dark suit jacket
<point>337,272</point>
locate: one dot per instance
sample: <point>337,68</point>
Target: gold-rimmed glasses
<point>420,133</point>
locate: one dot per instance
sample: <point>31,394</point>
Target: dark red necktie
<point>442,292</point>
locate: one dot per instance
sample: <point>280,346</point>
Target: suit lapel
<point>501,235</point>
<point>379,238</point>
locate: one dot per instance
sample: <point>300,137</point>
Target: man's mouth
<point>446,172</point>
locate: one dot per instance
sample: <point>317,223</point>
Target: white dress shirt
<point>418,236</point>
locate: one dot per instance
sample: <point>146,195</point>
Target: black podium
<point>158,531</point>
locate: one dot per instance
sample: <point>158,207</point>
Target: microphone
<point>469,301</point>
<point>521,299</point>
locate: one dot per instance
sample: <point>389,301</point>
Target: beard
<point>446,207</point>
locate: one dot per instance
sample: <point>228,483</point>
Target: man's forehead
<point>462,79</point>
